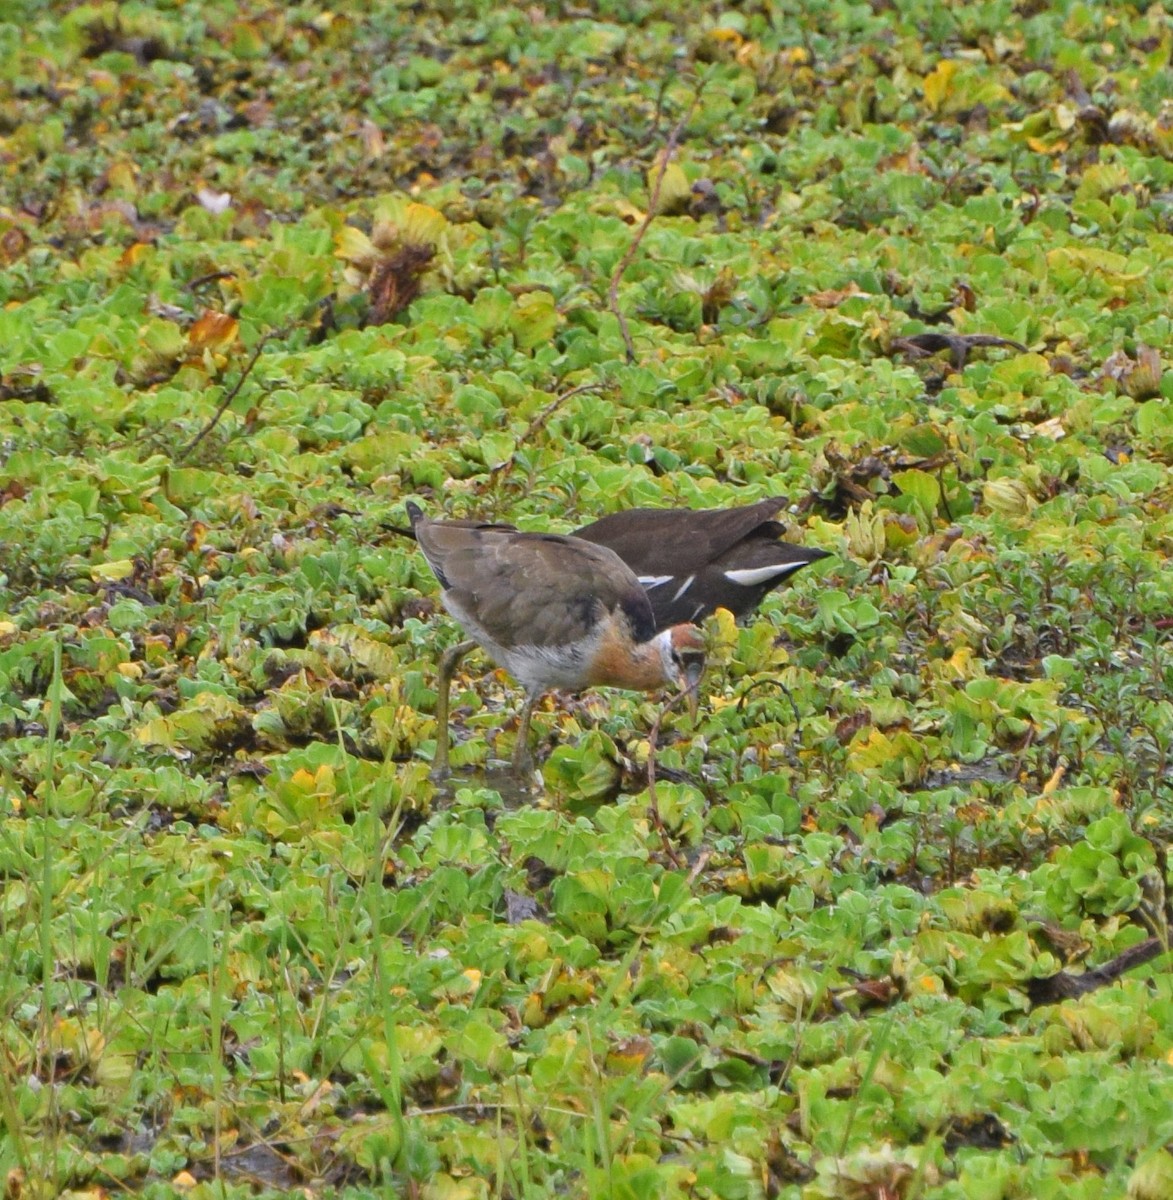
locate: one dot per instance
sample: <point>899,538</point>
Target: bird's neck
<point>620,662</point>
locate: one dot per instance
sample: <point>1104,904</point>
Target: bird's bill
<point>691,687</point>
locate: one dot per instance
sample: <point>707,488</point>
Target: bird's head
<point>683,655</point>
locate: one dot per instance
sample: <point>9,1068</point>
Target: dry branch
<point>1066,986</point>
<point>231,395</point>
<point>653,202</point>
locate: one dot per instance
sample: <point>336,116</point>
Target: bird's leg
<point>523,763</point>
<point>448,662</point>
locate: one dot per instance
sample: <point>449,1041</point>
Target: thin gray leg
<point>523,762</point>
<point>448,663</point>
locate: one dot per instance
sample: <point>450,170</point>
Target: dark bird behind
<point>693,561</point>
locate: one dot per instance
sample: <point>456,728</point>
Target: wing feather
<point>682,541</point>
<point>533,589</point>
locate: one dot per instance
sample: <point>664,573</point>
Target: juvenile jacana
<point>554,611</point>
<point>693,561</point>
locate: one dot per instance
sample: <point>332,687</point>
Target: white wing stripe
<point>684,587</point>
<point>754,575</point>
<point>654,581</point>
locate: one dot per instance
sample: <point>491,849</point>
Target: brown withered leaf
<point>833,297</point>
<point>12,490</point>
<point>920,345</point>
<point>964,296</point>
<point>718,294</point>
<point>850,725</point>
<point>13,244</point>
<point>213,331</point>
<point>876,993</point>
<point>372,140</point>
<point>1069,943</point>
<point>1139,378</point>
<point>395,281</point>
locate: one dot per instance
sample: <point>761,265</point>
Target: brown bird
<point>554,611</point>
<point>693,561</point>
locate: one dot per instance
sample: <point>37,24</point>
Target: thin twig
<point>653,202</point>
<point>944,497</point>
<point>653,806</point>
<point>702,861</point>
<point>772,679</point>
<point>222,408</point>
<point>538,424</point>
<point>211,277</point>
<point>478,1108</point>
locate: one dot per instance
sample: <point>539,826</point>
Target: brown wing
<point>532,589</point>
<point>681,541</point>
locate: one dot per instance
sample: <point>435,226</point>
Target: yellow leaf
<point>872,751</point>
<point>960,660</point>
<point>534,319</point>
<point>354,246</point>
<point>926,985</point>
<point>135,253</point>
<point>1008,496</point>
<point>724,626</point>
<point>939,83</point>
<point>675,190</point>
<point>401,221</point>
<point>1091,258</point>
<point>120,568</point>
<point>319,782</point>
<point>122,178</point>
<point>1055,780</point>
<point>422,225</point>
<point>867,536</point>
<point>624,209</point>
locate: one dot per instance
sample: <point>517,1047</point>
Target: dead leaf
<point>833,297</point>
<point>1139,378</point>
<point>213,331</point>
<point>372,140</point>
<point>395,282</point>
<point>13,244</point>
